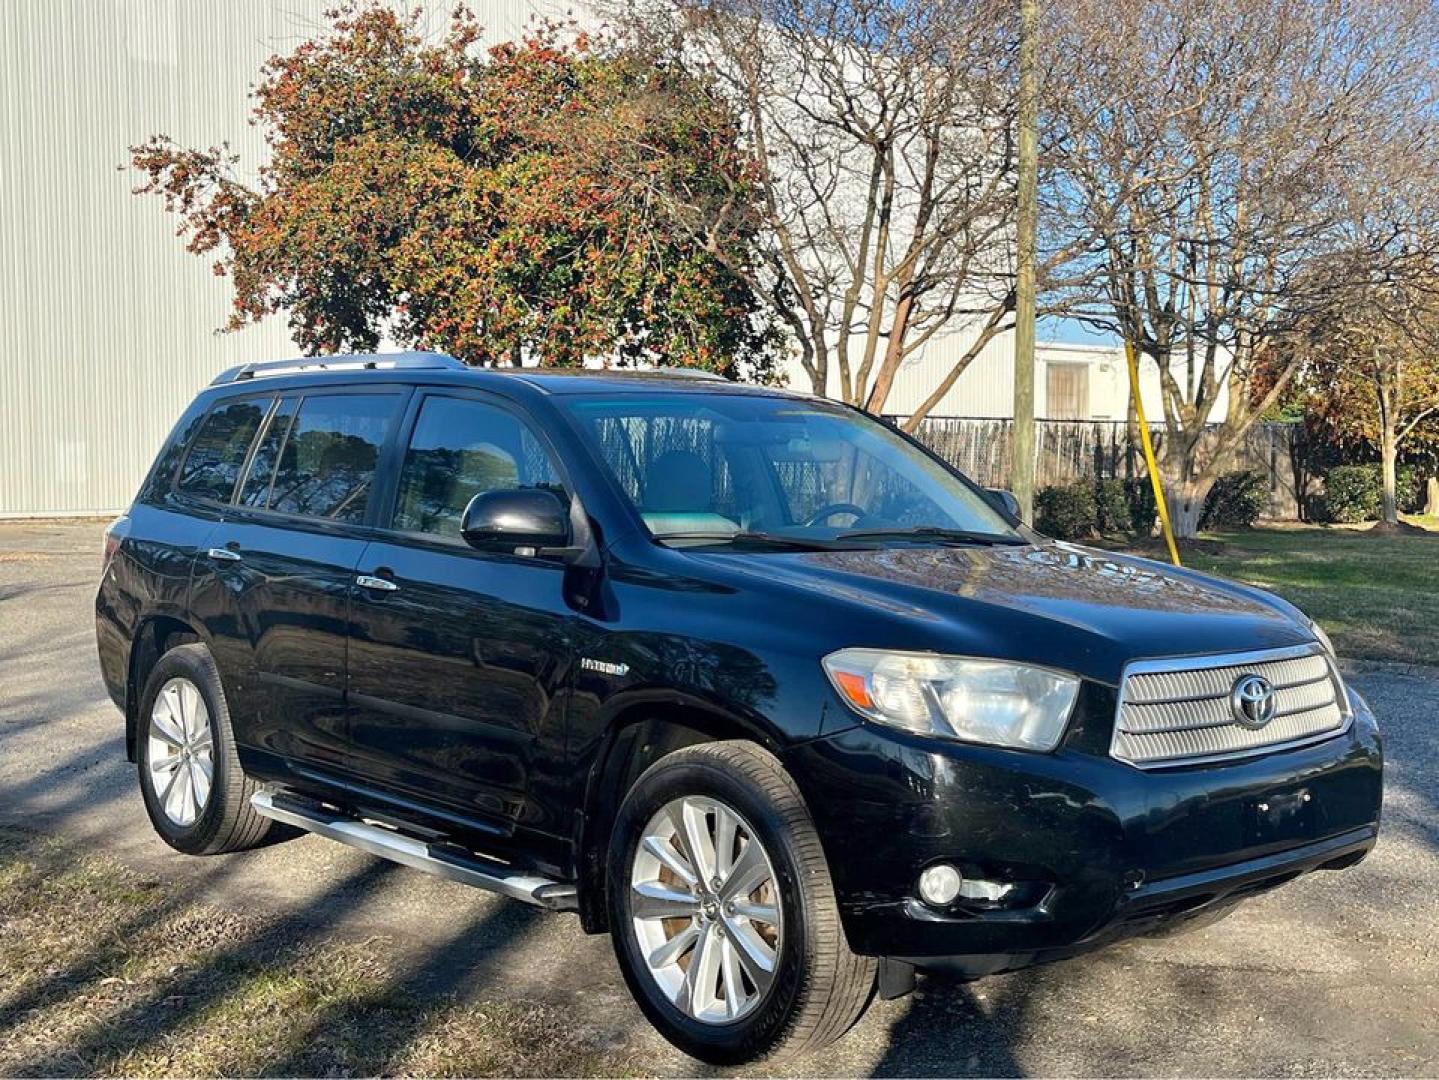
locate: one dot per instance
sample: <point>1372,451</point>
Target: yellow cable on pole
<point>1159,502</point>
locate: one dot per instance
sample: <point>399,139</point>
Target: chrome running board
<point>442,860</point>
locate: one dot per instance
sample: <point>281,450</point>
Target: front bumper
<point>1166,905</point>
<point>1096,849</point>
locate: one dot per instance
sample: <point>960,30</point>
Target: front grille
<point>1177,712</point>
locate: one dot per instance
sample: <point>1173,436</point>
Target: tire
<point>222,820</point>
<point>815,988</point>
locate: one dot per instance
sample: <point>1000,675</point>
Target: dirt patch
<point>1401,528</point>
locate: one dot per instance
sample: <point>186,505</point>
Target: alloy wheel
<point>705,909</point>
<point>180,753</point>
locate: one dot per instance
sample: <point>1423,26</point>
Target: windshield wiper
<point>810,542</point>
<point>933,532</point>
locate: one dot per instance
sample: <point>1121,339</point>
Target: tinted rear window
<point>218,453</point>
<point>327,466</point>
<point>256,489</point>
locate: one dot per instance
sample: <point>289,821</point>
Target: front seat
<point>679,496</point>
<point>678,482</point>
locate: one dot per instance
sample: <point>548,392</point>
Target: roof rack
<point>406,361</point>
<point>658,372</point>
<point>675,372</point>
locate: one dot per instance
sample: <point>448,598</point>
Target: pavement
<point>1337,973</point>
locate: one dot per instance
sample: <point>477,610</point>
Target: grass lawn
<point>108,973</point>
<point>1377,594</point>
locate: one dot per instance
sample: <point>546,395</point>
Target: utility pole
<point>1022,444</point>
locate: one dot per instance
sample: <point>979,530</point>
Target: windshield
<point>712,468</point>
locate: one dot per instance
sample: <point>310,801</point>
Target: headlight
<point>982,701</point>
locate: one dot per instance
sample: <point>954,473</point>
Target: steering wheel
<point>829,510</point>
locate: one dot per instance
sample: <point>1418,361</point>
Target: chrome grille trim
<point>1176,711</point>
<point>1215,711</point>
<point>1197,682</point>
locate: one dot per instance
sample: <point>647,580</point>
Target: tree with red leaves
<point>472,201</point>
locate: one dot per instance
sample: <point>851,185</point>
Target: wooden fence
<point>1068,450</point>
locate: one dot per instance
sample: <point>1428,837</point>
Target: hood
<point>1062,605</point>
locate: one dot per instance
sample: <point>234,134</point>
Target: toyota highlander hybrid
<point>747,679</point>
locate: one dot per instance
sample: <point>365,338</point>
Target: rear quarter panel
<point>149,574</point>
<point>148,577</point>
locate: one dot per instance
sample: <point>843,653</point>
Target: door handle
<point>224,555</point>
<point>379,584</point>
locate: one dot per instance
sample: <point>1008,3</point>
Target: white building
<point>1072,381</point>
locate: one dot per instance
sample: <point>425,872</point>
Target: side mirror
<point>512,518</point>
<point>1004,500</point>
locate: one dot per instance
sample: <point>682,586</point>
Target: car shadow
<point>146,1020</point>
<point>954,1028</point>
<point>436,976</point>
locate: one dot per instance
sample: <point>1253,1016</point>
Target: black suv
<point>748,679</point>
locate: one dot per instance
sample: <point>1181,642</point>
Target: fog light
<point>940,884</point>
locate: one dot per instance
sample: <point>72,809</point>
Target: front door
<point>1067,390</point>
<point>274,586</point>
<point>458,656</point>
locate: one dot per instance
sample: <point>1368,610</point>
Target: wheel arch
<point>636,737</point>
<point>156,634</point>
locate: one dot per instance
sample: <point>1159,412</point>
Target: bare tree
<point>883,144</point>
<point>1217,150</point>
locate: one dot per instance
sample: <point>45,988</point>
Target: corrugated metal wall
<point>108,322</point>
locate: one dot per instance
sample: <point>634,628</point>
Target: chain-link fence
<point>1068,450</point>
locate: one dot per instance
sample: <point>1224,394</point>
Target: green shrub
<point>1066,511</point>
<point>1111,507</point>
<point>1236,500</point>
<point>1351,493</point>
<point>1142,509</point>
<point>1408,490</point>
<point>1354,493</point>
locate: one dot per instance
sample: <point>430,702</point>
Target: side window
<point>327,464</point>
<point>459,448</point>
<point>255,491</point>
<point>218,453</point>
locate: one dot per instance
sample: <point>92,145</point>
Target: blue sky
<point>1072,332</point>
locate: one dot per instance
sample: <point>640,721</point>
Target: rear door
<point>274,586</point>
<point>458,655</point>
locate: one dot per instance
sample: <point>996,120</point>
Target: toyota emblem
<point>1253,701</point>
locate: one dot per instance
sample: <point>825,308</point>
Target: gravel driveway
<point>1336,973</point>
